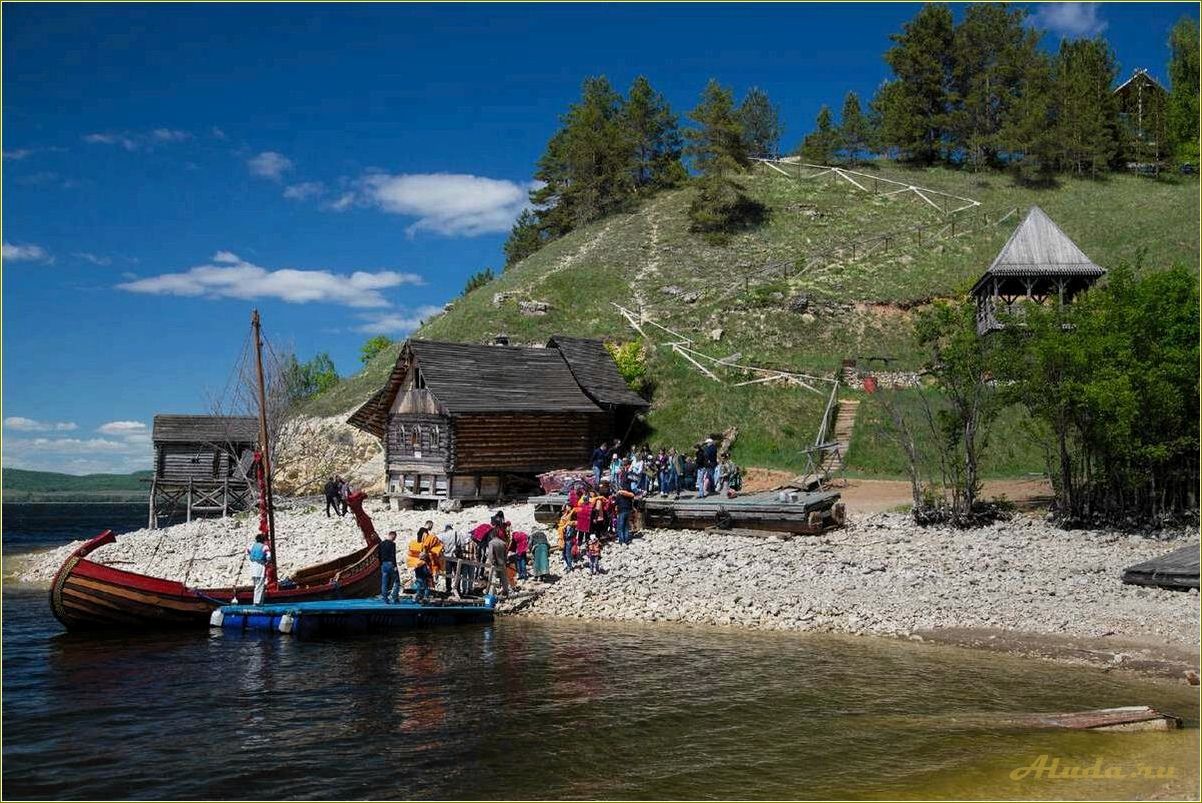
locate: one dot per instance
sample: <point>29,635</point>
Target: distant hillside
<point>21,486</point>
<point>855,306</point>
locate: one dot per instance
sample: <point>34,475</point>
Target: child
<point>594,555</point>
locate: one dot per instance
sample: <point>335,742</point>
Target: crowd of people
<point>492,556</point>
<point>666,471</point>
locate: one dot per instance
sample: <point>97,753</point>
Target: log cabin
<point>474,422</point>
<point>201,464</point>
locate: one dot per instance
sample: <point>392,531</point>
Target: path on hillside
<point>650,267</point>
<point>569,260</point>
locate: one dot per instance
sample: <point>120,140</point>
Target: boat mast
<point>264,445</point>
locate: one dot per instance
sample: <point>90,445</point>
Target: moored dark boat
<point>86,594</point>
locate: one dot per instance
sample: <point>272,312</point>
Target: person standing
<point>600,456</point>
<point>615,468</point>
<point>451,553</point>
<point>331,491</point>
<point>390,577</point>
<point>636,471</point>
<point>675,471</point>
<point>711,463</point>
<point>497,552</point>
<point>594,555</point>
<point>624,503</point>
<point>259,555</point>
<point>519,547</point>
<point>344,495</point>
<point>700,457</point>
<point>540,549</point>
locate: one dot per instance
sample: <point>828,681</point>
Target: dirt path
<point>875,496</point>
<point>650,266</point>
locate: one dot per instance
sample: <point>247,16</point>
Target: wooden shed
<point>473,422</point>
<point>1039,262</point>
<point>201,465</point>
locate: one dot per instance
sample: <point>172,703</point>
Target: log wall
<point>522,443</point>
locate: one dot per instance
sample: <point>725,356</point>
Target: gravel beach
<point>881,575</point>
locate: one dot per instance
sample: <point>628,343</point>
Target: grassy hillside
<point>858,307</point>
<point>21,485</point>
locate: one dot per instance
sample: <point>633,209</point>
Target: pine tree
<point>653,132</point>
<point>718,150</point>
<point>761,124</point>
<point>853,129</point>
<point>716,143</point>
<point>820,144</point>
<point>1027,136</point>
<point>524,239</point>
<point>993,50</point>
<point>1086,120</point>
<point>585,168</point>
<point>914,109</point>
<point>1183,92</point>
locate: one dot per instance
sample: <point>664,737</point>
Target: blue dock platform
<point>349,616</point>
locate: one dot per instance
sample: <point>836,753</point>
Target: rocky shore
<point>880,575</point>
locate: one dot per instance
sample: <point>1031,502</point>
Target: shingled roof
<point>205,429</point>
<point>1039,248</point>
<point>466,378</point>
<point>594,369</point>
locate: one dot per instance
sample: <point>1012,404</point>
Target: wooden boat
<point>86,594</point>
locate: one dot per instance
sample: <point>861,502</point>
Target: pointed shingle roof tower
<point>1039,260</point>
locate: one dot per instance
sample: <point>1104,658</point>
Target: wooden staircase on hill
<point>829,459</point>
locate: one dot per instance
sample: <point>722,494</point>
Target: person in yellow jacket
<point>425,558</point>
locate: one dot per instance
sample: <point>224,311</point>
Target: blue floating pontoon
<point>349,616</point>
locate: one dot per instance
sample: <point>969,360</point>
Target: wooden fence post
<point>189,517</point>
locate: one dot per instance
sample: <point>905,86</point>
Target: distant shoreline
<point>74,498</point>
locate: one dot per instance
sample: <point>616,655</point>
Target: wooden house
<point>201,465</point>
<point>473,422</point>
<point>1039,262</point>
<point>1143,121</point>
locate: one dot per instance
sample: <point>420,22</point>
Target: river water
<point>551,709</point>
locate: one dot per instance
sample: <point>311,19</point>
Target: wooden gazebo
<point>1038,262</point>
<point>202,465</point>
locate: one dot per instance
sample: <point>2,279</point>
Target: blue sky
<point>343,168</point>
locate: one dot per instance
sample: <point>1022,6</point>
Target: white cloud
<point>1069,19</point>
<point>232,277</point>
<point>20,424</point>
<point>397,323</point>
<point>134,140</point>
<point>127,142</point>
<point>343,202</point>
<point>18,154</point>
<point>95,259</point>
<point>449,203</point>
<point>303,190</point>
<point>25,253</point>
<point>77,455</point>
<point>169,135</point>
<point>218,133</point>
<point>269,164</point>
<point>121,428</point>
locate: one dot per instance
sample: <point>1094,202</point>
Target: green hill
<point>857,305</point>
<point>21,485</point>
